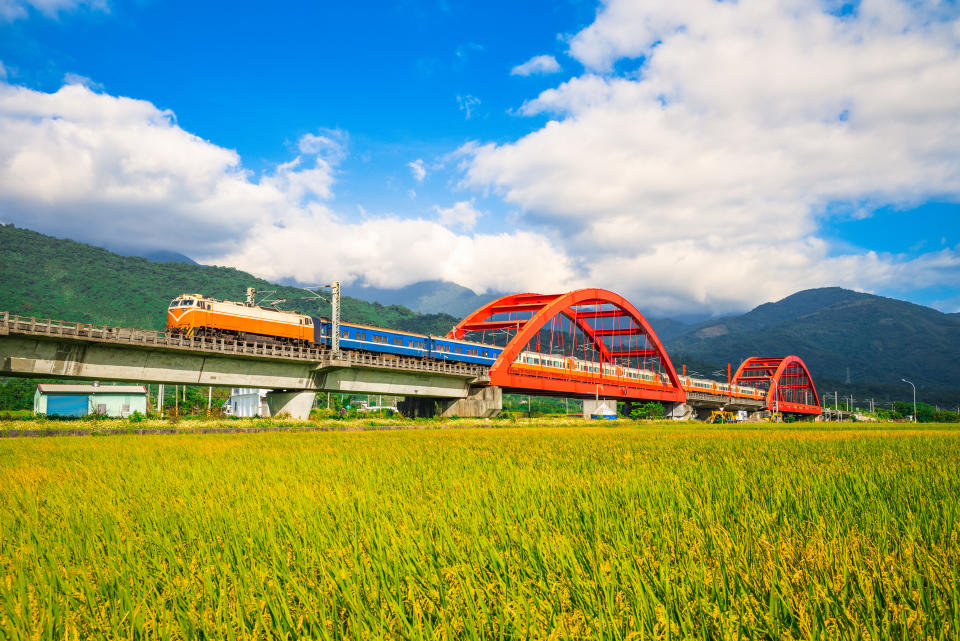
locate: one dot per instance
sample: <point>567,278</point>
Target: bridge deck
<point>152,339</point>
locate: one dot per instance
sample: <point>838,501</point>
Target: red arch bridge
<point>590,344</point>
<point>595,345</point>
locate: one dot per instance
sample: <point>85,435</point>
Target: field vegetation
<point>622,531</point>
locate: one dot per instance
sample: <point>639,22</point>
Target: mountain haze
<point>426,297</point>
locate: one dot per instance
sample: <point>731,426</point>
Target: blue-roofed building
<point>79,400</point>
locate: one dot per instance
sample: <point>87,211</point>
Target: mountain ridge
<point>880,339</point>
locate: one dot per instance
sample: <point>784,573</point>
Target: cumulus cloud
<point>537,65</point>
<point>699,177</point>
<point>14,9</point>
<point>461,214</point>
<point>121,172</point>
<point>418,170</point>
<point>316,245</point>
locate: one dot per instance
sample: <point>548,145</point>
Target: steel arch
<point>787,380</point>
<point>546,307</point>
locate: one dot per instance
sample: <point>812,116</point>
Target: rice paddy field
<point>563,532</point>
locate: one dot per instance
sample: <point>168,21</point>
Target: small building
<point>80,400</point>
<point>246,402</point>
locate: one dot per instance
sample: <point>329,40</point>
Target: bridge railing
<point>32,326</point>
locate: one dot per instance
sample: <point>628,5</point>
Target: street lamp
<point>914,398</point>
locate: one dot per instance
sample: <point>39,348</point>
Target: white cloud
<point>316,245</point>
<point>467,104</point>
<point>76,79</point>
<point>418,170</point>
<point>329,144</point>
<point>462,214</point>
<point>700,178</point>
<point>118,171</point>
<point>14,9</point>
<point>537,65</point>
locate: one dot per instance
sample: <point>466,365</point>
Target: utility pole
<point>160,400</point>
<point>335,312</point>
<point>210,398</point>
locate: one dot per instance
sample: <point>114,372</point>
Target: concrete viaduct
<point>31,347</point>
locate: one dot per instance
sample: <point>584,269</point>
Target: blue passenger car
<point>449,349</point>
<point>389,341</point>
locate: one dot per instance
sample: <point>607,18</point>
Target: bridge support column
<point>296,404</point>
<point>681,412</point>
<point>481,402</point>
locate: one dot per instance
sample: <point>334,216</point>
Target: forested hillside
<point>54,278</point>
<point>880,340</point>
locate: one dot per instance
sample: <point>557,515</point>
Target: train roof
<point>408,333</point>
<point>239,304</point>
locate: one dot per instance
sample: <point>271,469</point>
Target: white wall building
<point>247,401</point>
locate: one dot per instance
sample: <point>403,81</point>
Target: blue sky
<point>699,159</point>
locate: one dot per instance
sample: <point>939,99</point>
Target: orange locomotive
<point>196,314</point>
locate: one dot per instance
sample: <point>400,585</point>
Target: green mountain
<point>54,278</point>
<point>427,297</point>
<point>880,340</point>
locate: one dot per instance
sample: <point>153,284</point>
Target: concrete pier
<point>295,404</point>
<point>480,402</point>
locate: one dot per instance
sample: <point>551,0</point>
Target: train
<point>554,366</point>
<point>198,315</point>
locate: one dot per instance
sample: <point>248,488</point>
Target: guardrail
<point>88,332</point>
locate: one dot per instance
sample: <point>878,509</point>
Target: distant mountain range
<point>880,340</point>
<point>426,297</point>
<point>833,330</point>
<point>162,257</point>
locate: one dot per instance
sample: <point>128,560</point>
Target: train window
<point>343,333</point>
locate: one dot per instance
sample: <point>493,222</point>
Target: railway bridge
<point>590,344</point>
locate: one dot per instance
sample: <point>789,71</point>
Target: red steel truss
<point>787,381</point>
<point>595,328</point>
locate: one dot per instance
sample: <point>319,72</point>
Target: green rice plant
<point>623,531</point>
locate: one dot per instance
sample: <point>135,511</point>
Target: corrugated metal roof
<point>66,388</point>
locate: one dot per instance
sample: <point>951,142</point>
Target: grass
<point>606,531</point>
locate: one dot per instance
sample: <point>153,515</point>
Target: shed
<point>79,400</point>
